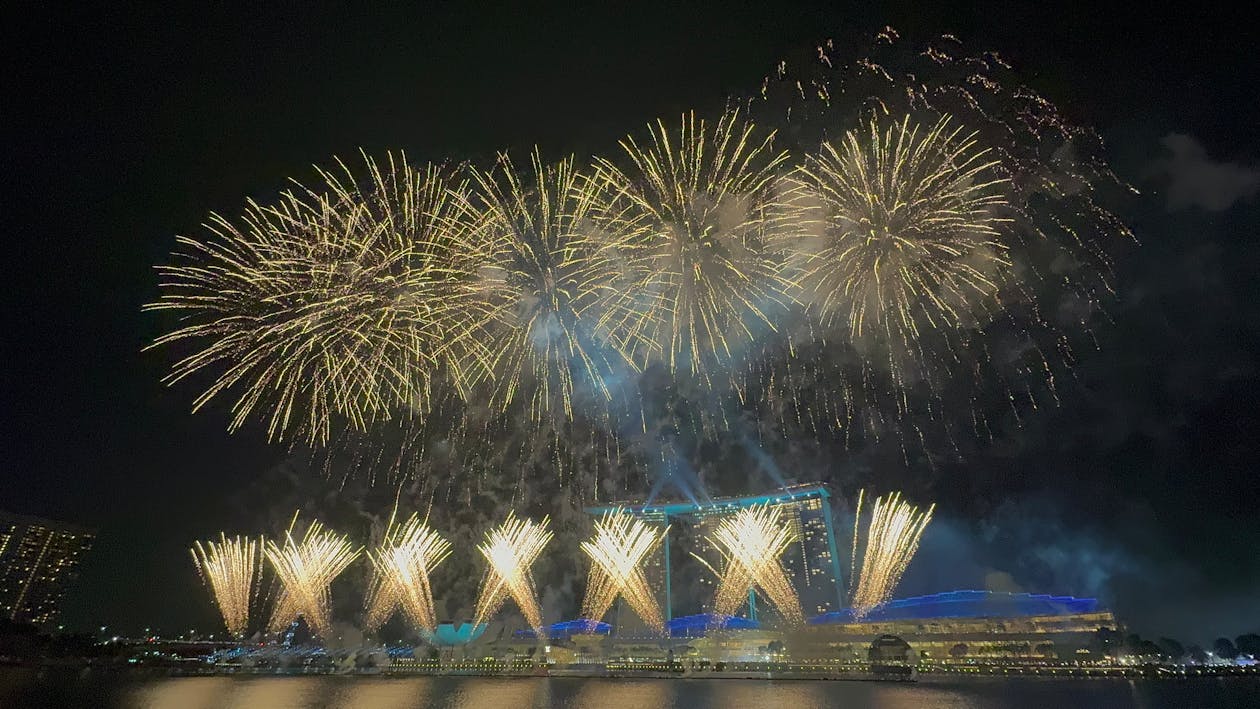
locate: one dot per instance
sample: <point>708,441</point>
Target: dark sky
<point>125,127</point>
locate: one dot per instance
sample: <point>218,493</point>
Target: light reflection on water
<point>624,694</point>
<point>36,689</point>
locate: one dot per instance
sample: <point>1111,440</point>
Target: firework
<point>892,538</point>
<point>982,299</point>
<point>699,278</point>
<point>549,278</point>
<point>751,541</point>
<point>232,568</point>
<point>510,550</point>
<point>939,240</point>
<point>343,300</point>
<point>910,248</point>
<point>617,550</point>
<point>404,562</point>
<point>307,569</point>
<point>284,610</point>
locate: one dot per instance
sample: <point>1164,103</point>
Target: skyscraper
<point>812,562</point>
<point>39,559</point>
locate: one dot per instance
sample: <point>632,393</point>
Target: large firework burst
<point>1013,219</point>
<point>549,279</point>
<point>909,251</point>
<point>700,278</point>
<point>232,568</point>
<point>343,300</point>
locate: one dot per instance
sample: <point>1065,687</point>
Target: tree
<point>958,651</point>
<point>1196,654</point>
<point>1107,643</point>
<point>1148,650</point>
<point>1171,649</point>
<point>1248,644</point>
<point>1224,649</point>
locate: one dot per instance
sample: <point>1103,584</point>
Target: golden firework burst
<point>346,300</point>
<point>704,204</point>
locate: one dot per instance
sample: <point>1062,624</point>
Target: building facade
<point>986,627</point>
<point>964,625</point>
<point>39,559</point>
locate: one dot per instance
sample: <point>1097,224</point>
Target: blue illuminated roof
<point>795,492</point>
<point>968,604</point>
<point>695,626</point>
<point>451,634</point>
<point>568,628</point>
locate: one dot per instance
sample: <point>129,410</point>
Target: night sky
<point>124,128</point>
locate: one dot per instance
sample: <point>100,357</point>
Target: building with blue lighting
<point>980,625</point>
<point>967,625</point>
<point>967,604</point>
<point>812,563</point>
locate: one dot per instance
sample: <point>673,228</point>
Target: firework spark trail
<point>892,538</point>
<point>307,569</point>
<point>550,277</point>
<point>344,299</point>
<point>700,276</point>
<point>857,520</point>
<point>911,252</point>
<point>404,562</point>
<point>752,540</point>
<point>233,569</point>
<point>510,550</point>
<point>283,611</point>
<point>617,550</point>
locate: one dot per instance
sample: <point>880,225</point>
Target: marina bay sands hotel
<point>680,580</point>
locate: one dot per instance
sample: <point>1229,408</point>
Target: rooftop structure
<point>567,629</point>
<point>450,634</point>
<point>812,562</point>
<point>967,604</point>
<point>695,626</point>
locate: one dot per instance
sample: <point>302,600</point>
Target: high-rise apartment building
<point>39,559</point>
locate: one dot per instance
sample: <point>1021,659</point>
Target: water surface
<point>35,689</point>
